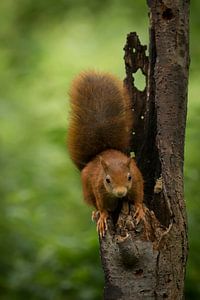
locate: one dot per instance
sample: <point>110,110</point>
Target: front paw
<point>102,224</point>
<point>139,213</point>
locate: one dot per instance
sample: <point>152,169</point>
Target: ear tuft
<point>103,163</point>
<point>128,162</point>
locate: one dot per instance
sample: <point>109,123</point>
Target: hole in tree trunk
<point>139,272</point>
<point>139,80</point>
<point>167,14</point>
<point>165,296</point>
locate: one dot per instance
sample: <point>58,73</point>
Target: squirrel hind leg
<point>88,194</point>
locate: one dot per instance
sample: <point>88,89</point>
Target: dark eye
<point>129,177</point>
<point>108,179</point>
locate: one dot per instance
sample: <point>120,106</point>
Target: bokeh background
<point>48,244</point>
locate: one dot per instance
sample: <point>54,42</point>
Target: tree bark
<point>148,261</point>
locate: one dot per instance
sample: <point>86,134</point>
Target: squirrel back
<point>101,117</point>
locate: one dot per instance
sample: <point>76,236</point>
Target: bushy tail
<point>101,117</point>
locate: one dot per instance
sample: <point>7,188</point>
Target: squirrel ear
<point>129,161</point>
<point>103,163</point>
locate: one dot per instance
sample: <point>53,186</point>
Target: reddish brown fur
<point>101,117</point>
<point>93,180</point>
<point>99,133</point>
<point>95,191</point>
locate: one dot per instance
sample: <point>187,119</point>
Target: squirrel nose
<point>121,192</point>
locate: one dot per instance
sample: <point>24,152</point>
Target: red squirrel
<point>99,138</point>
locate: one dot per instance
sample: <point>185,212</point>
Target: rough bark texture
<point>147,261</point>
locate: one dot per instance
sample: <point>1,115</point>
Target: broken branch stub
<point>135,58</point>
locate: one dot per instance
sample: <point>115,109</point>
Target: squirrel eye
<point>129,177</point>
<point>108,179</point>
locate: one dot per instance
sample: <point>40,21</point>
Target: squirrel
<point>99,137</point>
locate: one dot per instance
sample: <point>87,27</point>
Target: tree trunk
<point>147,261</point>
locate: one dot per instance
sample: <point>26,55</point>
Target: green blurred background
<point>48,244</point>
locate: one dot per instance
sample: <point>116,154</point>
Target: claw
<point>95,215</point>
<point>105,224</point>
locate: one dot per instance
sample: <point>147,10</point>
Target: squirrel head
<point>117,177</point>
